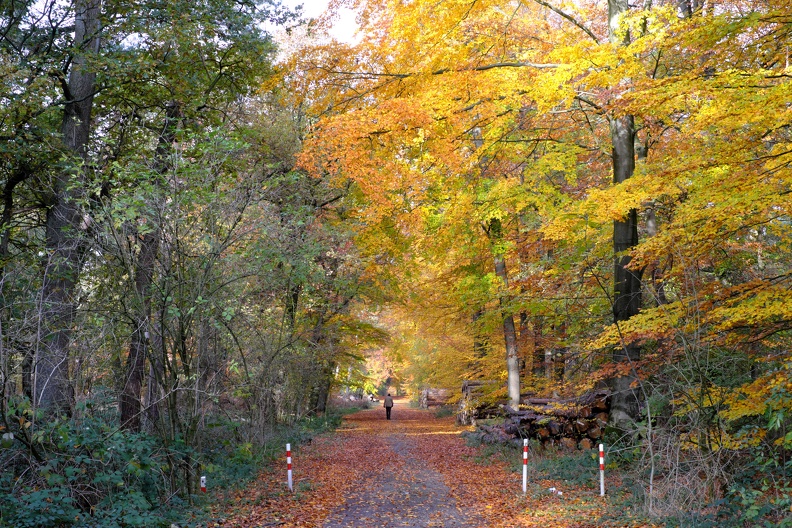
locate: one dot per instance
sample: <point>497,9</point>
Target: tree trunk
<point>509,331</point>
<point>522,341</point>
<point>292,300</point>
<point>538,363</point>
<point>480,340</point>
<point>322,390</point>
<point>65,225</point>
<point>615,10</point>
<point>481,344</point>
<point>627,283</point>
<point>129,402</point>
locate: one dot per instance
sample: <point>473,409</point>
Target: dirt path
<point>412,471</point>
<point>404,492</point>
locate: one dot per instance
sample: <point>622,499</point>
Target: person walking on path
<point>388,406</point>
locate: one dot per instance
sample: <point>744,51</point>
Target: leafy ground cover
<point>418,470</point>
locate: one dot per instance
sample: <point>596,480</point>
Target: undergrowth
<point>86,471</point>
<point>756,489</point>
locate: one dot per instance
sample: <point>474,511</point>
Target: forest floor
<point>415,470</point>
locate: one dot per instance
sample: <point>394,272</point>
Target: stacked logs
<point>491,434</point>
<point>434,398</point>
<point>570,423</point>
<point>476,402</point>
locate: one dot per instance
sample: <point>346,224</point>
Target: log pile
<point>477,402</point>
<point>434,398</point>
<point>492,434</point>
<point>570,423</point>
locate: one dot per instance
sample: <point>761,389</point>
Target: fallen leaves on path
<point>349,463</point>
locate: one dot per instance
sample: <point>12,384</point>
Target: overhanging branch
<point>554,9</point>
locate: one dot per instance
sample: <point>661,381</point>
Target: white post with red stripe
<point>203,484</point>
<point>525,466</point>
<point>602,469</point>
<point>288,467</point>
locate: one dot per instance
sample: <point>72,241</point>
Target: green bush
<point>46,507</point>
<point>87,472</point>
<point>445,411</point>
<point>760,493</point>
<point>82,472</point>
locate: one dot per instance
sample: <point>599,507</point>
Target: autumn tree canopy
<point>596,193</point>
<point>202,234</point>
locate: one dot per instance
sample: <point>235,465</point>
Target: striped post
<point>525,466</point>
<point>203,484</point>
<point>288,467</point>
<point>602,469</point>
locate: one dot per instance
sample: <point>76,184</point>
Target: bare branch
<point>554,9</point>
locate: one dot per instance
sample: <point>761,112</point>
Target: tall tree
<point>67,223</point>
<point>495,232</point>
<point>144,277</point>
<point>222,75</point>
<point>626,279</point>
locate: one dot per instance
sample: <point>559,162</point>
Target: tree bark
<point>322,390</point>
<point>538,360</point>
<point>130,405</point>
<point>480,340</point>
<point>509,330</point>
<point>65,224</point>
<point>626,282</point>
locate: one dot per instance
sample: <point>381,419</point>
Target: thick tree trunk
<point>522,341</point>
<point>687,8</point>
<point>615,10</point>
<point>481,344</point>
<point>322,383</point>
<point>322,390</point>
<point>129,401</point>
<point>510,336</point>
<point>480,340</point>
<point>627,283</point>
<point>65,224</point>
<point>292,301</point>
<point>495,233</point>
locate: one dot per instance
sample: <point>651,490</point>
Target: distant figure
<point>388,405</point>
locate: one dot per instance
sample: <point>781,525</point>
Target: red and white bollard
<point>602,469</point>
<point>203,484</point>
<point>525,466</point>
<point>288,467</point>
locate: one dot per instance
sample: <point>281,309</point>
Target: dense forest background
<point>203,238</point>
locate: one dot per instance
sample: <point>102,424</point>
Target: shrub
<point>83,471</point>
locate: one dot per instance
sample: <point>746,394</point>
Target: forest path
<point>412,471</point>
<point>404,491</point>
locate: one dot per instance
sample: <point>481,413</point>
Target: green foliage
<point>94,474</point>
<point>445,411</point>
<point>760,493</point>
<point>88,472</point>
<point>38,508</point>
<point>578,467</point>
<point>490,451</point>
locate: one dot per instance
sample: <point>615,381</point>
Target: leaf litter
<point>412,471</point>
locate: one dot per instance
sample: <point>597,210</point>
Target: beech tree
<point>601,125</point>
<point>626,280</point>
